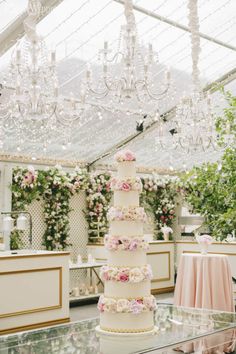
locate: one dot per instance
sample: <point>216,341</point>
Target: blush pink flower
<point>129,155</point>
<point>133,245</point>
<point>123,277</point>
<point>125,187</point>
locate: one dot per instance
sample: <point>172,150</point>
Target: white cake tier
<point>127,322</point>
<point>126,169</point>
<point>124,344</point>
<point>127,258</point>
<point>126,199</point>
<point>126,228</point>
<point>127,290</point>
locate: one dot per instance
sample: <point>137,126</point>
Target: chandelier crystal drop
<point>34,112</point>
<point>128,74</point>
<point>193,127</point>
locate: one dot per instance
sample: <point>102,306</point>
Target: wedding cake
<point>127,304</point>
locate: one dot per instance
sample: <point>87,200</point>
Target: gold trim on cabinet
<point>157,280</point>
<point>14,256</point>
<point>168,289</point>
<point>161,242</point>
<point>95,244</point>
<point>224,253</point>
<point>54,307</point>
<point>34,326</point>
<point>213,243</point>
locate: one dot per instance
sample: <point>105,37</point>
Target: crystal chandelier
<point>34,112</point>
<point>193,127</point>
<point>127,75</point>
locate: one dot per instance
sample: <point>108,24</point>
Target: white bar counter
<point>34,289</point>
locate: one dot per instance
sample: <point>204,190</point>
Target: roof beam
<point>15,30</point>
<point>178,25</point>
<point>223,80</point>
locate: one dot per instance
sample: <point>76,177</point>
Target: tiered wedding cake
<point>127,304</point>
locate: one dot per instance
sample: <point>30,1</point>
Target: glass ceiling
<point>10,10</point>
<point>77,30</point>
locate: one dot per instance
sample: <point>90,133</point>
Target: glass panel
<point>175,326</point>
<point>10,10</point>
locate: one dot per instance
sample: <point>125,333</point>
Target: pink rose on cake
<point>104,273</point>
<point>136,307</point>
<point>133,245</point>
<point>123,277</point>
<point>123,155</point>
<point>100,304</point>
<point>126,187</point>
<point>129,156</point>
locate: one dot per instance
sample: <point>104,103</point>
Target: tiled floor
<point>89,311</point>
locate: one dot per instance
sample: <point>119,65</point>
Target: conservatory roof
<point>77,30</point>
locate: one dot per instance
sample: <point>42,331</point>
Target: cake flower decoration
<point>134,306</point>
<point>123,243</point>
<point>125,155</point>
<point>126,274</point>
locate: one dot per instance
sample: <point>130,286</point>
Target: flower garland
<point>127,214</point>
<point>134,306</point>
<point>159,198</point>
<point>123,243</point>
<point>126,185</point>
<point>55,187</point>
<point>98,199</point>
<point>126,274</point>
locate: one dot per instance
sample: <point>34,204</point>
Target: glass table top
<point>176,325</point>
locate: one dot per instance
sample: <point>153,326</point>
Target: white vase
<point>204,248</point>
<point>166,236</point>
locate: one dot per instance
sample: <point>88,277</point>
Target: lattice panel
<point>38,229</point>
<point>78,236</point>
<point>78,226</point>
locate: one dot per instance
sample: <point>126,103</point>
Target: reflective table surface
<point>177,328</point>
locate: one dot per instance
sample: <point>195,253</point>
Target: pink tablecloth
<point>204,281</point>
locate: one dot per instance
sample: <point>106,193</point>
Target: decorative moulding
<point>41,160</point>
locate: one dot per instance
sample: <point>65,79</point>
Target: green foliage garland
<point>98,198</point>
<point>211,189</point>
<point>55,187</point>
<point>159,198</point>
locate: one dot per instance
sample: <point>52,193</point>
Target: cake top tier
<point>125,155</point>
<point>126,164</point>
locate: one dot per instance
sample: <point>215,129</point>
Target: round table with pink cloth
<point>205,281</point>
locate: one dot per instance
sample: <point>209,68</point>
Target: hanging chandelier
<point>34,112</point>
<point>127,74</point>
<point>193,127</point>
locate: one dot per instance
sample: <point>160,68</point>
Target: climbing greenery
<point>55,188</point>
<point>211,189</point>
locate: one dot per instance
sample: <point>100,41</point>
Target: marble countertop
<point>30,253</point>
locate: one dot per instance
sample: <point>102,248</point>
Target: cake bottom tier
<point>127,322</point>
